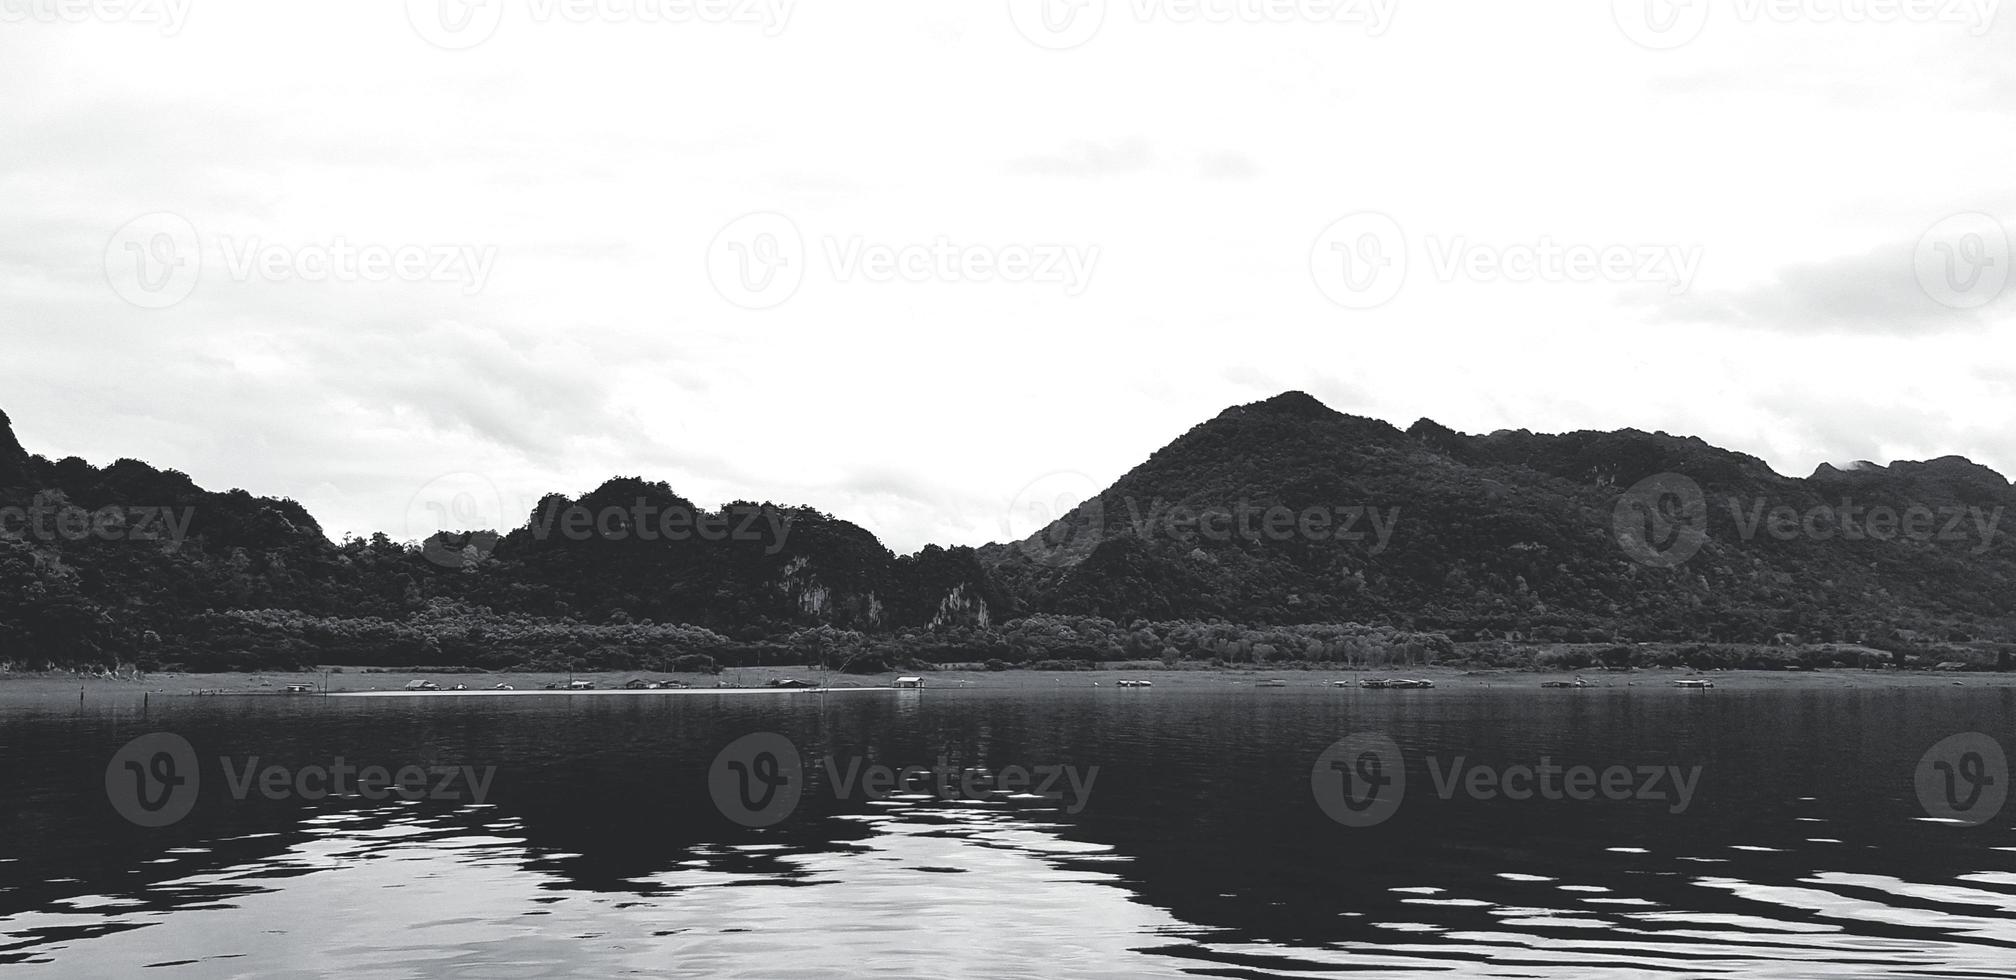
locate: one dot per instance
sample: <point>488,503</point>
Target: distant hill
<point>105,564</point>
<point>1517,533</point>
<point>1278,514</point>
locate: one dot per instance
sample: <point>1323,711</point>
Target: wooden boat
<point>1413,683</point>
<point>1375,683</point>
<point>1694,683</point>
<point>1273,682</point>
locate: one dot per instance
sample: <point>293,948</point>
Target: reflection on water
<point>1200,852</point>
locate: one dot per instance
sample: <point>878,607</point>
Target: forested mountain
<point>1281,517</point>
<point>120,562</point>
<point>1518,533</point>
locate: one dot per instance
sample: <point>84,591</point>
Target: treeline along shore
<point>451,639</point>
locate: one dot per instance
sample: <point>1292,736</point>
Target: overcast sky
<point>919,263</point>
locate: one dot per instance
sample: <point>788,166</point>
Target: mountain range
<point>1277,514</point>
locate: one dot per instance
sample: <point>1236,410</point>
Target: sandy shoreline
<point>608,692</point>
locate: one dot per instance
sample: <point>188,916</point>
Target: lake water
<point>1199,847</point>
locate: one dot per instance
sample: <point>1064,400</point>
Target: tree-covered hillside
<point>1521,534</point>
<point>1277,514</point>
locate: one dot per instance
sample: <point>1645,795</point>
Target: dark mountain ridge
<point>1279,513</point>
<point>1516,533</point>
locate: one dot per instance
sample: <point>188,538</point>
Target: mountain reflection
<point>1198,848</point>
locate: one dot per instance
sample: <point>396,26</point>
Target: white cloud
<point>601,159</point>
